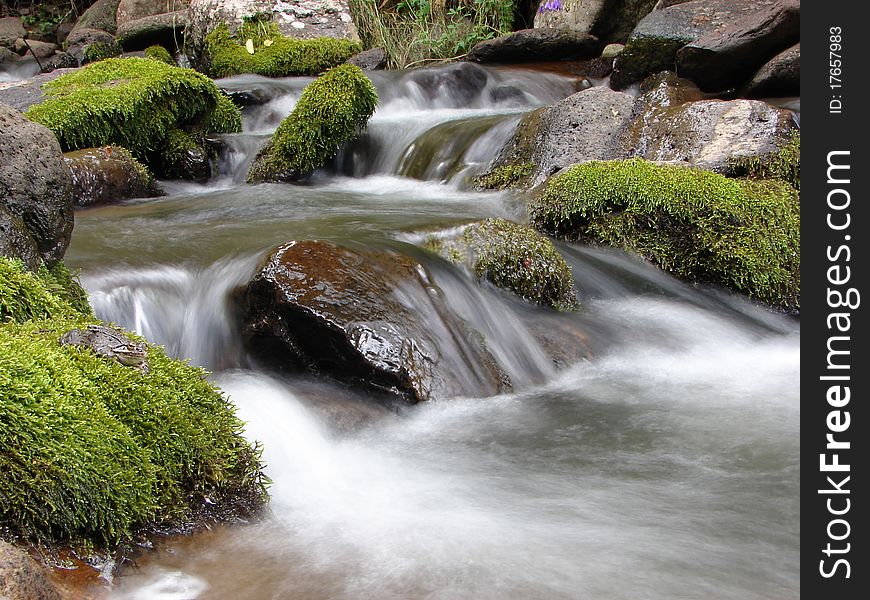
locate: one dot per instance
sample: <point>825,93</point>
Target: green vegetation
<point>90,450</point>
<point>101,51</point>
<point>513,257</point>
<point>331,111</point>
<point>784,164</point>
<point>275,55</point>
<point>413,32</point>
<point>700,226</point>
<point>644,56</point>
<point>159,53</point>
<point>508,176</point>
<point>134,103</point>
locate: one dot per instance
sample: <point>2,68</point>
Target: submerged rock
<point>513,257</point>
<point>710,134</point>
<point>35,184</point>
<point>22,578</point>
<point>363,315</point>
<point>540,44</point>
<point>108,175</point>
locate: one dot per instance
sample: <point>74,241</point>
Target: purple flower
<point>550,5</point>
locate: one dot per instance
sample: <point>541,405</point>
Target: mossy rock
<point>643,56</point>
<point>331,111</point>
<point>92,451</point>
<point>784,164</point>
<point>506,177</point>
<point>159,53</point>
<point>44,294</point>
<point>132,102</point>
<point>513,257</point>
<point>698,225</point>
<point>100,51</point>
<point>274,54</point>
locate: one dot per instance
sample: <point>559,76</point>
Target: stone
<point>11,29</point>
<point>710,134</point>
<point>102,15</point>
<point>35,183</point>
<point>655,41</point>
<point>80,40</point>
<point>35,48</point>
<point>165,30</point>
<point>7,55</point>
<point>462,82</point>
<point>727,57</point>
<point>132,10</point>
<point>62,32</point>
<point>16,241</point>
<point>585,126</point>
<point>60,60</point>
<point>107,176</point>
<point>612,50</point>
<point>780,76</point>
<point>372,59</point>
<point>530,45</point>
<point>22,578</point>
<point>23,94</point>
<point>609,20</point>
<point>368,316</point>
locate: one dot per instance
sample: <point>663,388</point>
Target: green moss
<point>513,257</point>
<point>784,164</point>
<point>225,118</point>
<point>698,225</point>
<point>90,450</point>
<point>47,294</point>
<point>331,111</point>
<point>508,176</point>
<point>159,53</point>
<point>130,102</point>
<point>101,51</point>
<point>227,55</point>
<point>644,56</point>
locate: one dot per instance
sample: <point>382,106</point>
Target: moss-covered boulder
<point>513,257</point>
<point>271,53</point>
<point>136,103</point>
<point>698,225</point>
<point>160,53</point>
<point>331,111</point>
<point>91,450</point>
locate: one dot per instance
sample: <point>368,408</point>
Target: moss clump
<point>513,257</point>
<point>784,164</point>
<point>330,112</point>
<point>90,450</point>
<point>159,53</point>
<point>275,55</point>
<point>130,102</point>
<point>46,294</point>
<point>508,176</point>
<point>100,51</point>
<point>645,55</point>
<point>698,225</point>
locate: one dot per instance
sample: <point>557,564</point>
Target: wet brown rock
<point>370,316</point>
<point>108,175</point>
<point>22,578</point>
<point>780,76</point>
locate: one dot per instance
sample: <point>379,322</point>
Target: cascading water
<point>649,447</point>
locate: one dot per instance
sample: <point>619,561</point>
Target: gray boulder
<point>711,134</point>
<point>530,45</point>
<point>16,241</point>
<point>654,43</point>
<point>727,57</point>
<point>368,316</point>
<point>165,30</point>
<point>372,59</point>
<point>35,183</point>
<point>11,29</point>
<point>7,55</point>
<point>584,126</point>
<point>87,44</point>
<point>132,10</point>
<point>22,578</point>
<point>35,48</point>
<point>608,20</point>
<point>780,76</point>
<point>101,15</point>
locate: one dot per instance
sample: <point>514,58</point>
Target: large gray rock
<point>16,241</point>
<point>22,578</point>
<point>608,20</point>
<point>7,55</point>
<point>584,126</point>
<point>530,45</point>
<point>780,76</point>
<point>35,48</point>
<point>101,15</point>
<point>35,182</point>
<point>654,43</point>
<point>710,134</point>
<point>363,315</point>
<point>165,30</point>
<point>131,10</point>
<point>11,29</point>
<point>107,176</point>
<point>727,57</point>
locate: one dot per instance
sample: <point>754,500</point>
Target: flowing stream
<point>660,462</point>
